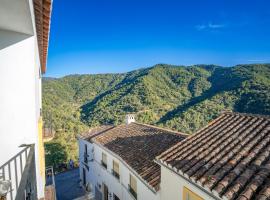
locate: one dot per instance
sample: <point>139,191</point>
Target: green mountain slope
<point>176,97</point>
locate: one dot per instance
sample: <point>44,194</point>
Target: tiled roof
<point>42,10</point>
<point>230,157</point>
<point>138,145</point>
<point>95,131</point>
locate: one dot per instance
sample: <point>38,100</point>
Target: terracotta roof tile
<point>95,131</point>
<point>42,9</point>
<point>230,156</point>
<point>138,145</point>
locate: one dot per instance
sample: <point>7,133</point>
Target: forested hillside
<point>175,97</point>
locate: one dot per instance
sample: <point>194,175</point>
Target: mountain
<point>176,97</point>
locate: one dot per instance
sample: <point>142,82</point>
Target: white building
<point>24,30</point>
<point>228,159</point>
<point>118,162</point>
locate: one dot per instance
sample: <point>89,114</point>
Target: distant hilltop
<point>177,97</point>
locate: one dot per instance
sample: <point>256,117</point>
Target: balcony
<point>18,176</point>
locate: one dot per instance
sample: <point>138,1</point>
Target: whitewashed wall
<point>172,185</point>
<point>98,174</point>
<point>20,98</point>
<point>20,86</point>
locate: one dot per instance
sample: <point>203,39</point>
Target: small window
<point>133,186</point>
<point>115,170</point>
<point>85,154</point>
<point>104,160</point>
<point>189,195</point>
<point>85,148</point>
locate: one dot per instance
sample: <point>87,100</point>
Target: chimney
<point>130,118</point>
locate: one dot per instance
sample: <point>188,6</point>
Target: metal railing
<point>50,182</point>
<point>20,172</point>
<point>50,176</point>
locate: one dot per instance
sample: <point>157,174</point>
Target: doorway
<point>84,177</point>
<point>105,192</point>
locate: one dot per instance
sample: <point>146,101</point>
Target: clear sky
<point>105,36</point>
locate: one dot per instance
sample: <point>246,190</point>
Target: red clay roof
<point>137,145</point>
<point>42,9</point>
<point>95,131</point>
<point>230,157</point>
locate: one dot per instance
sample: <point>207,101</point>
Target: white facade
<point>97,175</point>
<point>172,186</point>
<point>20,83</point>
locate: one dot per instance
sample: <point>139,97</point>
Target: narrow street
<point>68,185</point>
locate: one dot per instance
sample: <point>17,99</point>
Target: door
<point>84,177</point>
<point>98,194</point>
<point>105,192</point>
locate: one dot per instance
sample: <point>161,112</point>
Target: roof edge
<point>246,114</point>
<point>81,136</point>
<point>208,192</point>
<point>163,129</point>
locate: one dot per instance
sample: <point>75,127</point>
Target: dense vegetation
<point>176,97</point>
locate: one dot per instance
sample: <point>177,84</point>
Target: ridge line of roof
<point>101,132</point>
<point>187,138</point>
<point>108,127</point>
<point>222,113</point>
<point>163,129</point>
<point>245,114</point>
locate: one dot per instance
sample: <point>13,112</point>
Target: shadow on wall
<point>10,38</point>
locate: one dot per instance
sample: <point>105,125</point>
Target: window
<point>105,192</point>
<point>84,177</point>
<point>115,170</point>
<point>133,186</point>
<point>85,154</point>
<point>104,160</point>
<point>189,195</point>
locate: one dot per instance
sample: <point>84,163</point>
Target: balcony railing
<point>50,192</point>
<point>20,172</point>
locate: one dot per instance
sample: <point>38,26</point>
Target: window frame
<point>132,190</point>
<point>104,160</point>
<point>115,173</point>
<point>190,195</point>
<point>85,155</point>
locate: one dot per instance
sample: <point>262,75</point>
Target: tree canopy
<point>176,97</point>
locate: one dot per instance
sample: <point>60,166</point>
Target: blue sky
<point>108,36</point>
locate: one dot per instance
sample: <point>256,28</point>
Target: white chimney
<point>130,118</point>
